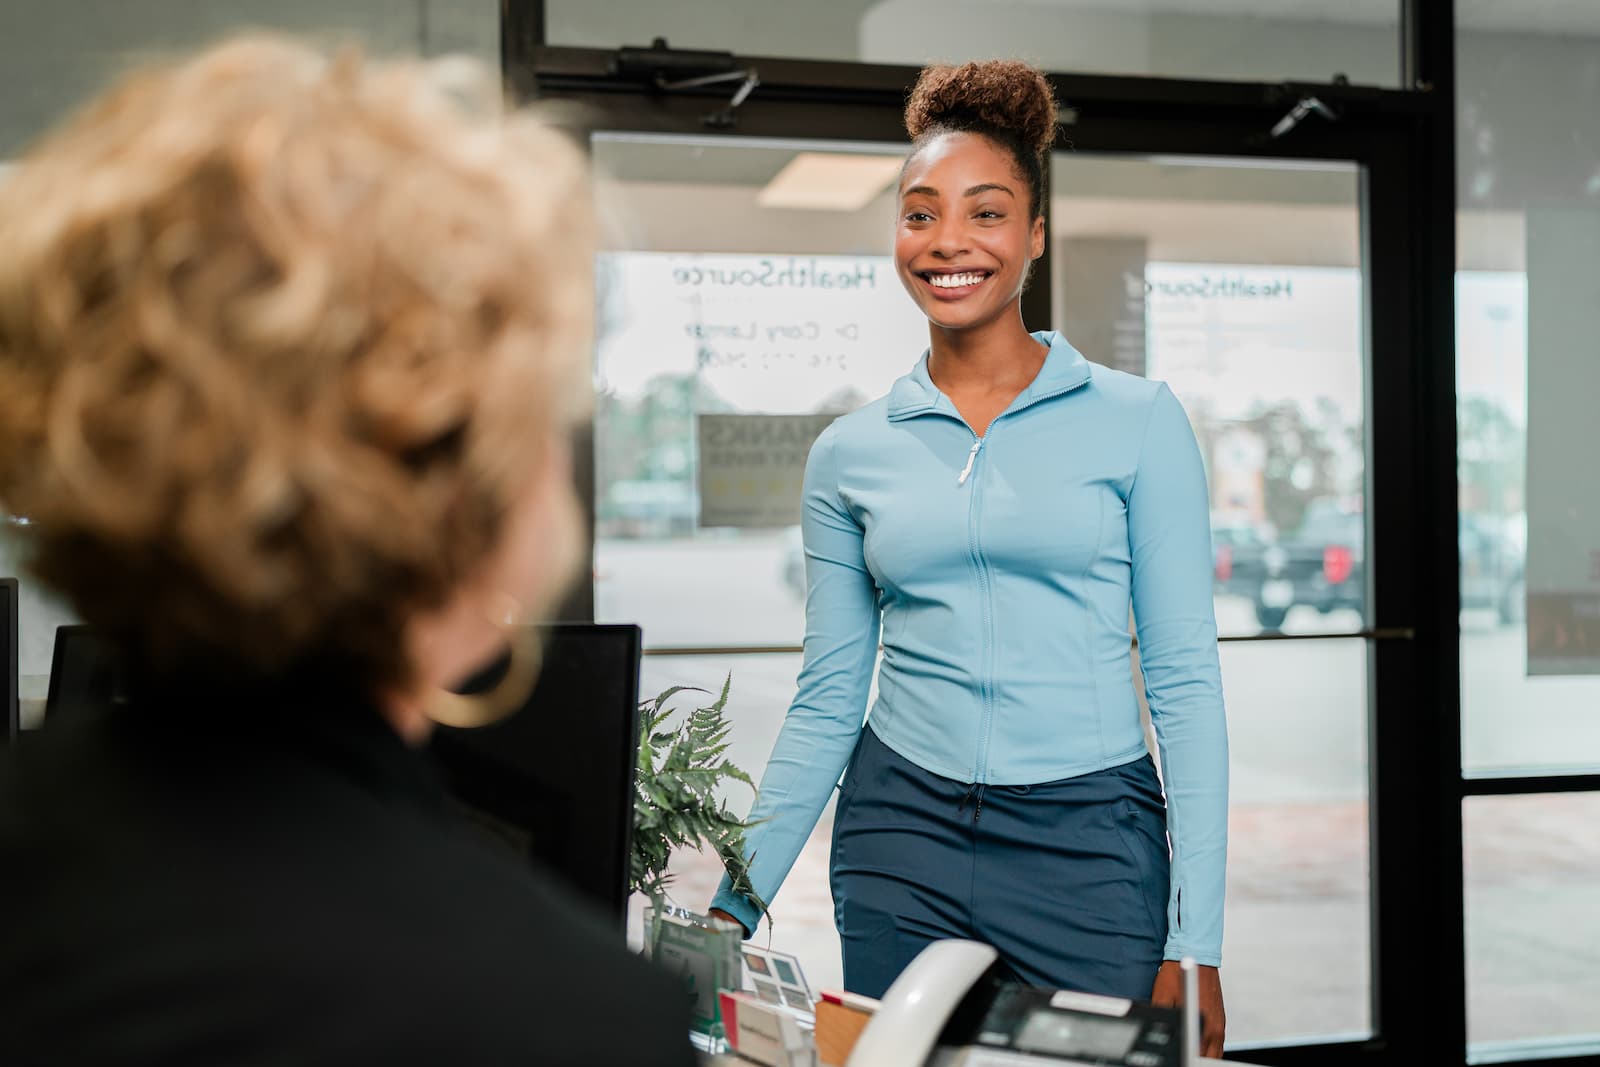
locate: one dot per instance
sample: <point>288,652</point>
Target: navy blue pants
<point>1068,879</point>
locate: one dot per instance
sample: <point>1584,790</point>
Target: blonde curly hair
<point>282,338</point>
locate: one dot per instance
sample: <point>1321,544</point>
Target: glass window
<point>1260,336</point>
<point>724,349</point>
<point>1298,842</point>
<point>1240,286</point>
<point>1532,864</point>
<point>1527,312</point>
<point>54,57</point>
<point>1191,39</point>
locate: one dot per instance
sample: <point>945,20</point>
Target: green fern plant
<point>680,768</point>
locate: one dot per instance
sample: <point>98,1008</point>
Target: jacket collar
<point>1064,369</point>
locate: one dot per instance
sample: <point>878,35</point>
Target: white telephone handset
<point>957,991</point>
<point>1191,1011</point>
<point>914,1010</point>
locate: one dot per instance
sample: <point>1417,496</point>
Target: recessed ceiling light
<point>828,181</point>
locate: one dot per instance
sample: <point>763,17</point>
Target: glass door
<point>749,298</point>
<point>1240,284</point>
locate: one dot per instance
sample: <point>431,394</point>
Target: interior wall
<point>56,55</point>
<point>1068,37</point>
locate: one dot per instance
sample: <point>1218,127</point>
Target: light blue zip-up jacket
<point>1003,568</point>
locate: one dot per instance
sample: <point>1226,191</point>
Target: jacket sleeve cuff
<point>1174,953</point>
<point>748,915</point>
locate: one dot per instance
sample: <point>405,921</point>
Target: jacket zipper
<point>972,457</point>
<point>986,681</point>
<point>985,606</point>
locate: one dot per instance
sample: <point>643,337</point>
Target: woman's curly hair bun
<point>1002,95</point>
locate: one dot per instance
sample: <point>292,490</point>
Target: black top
<point>233,884</point>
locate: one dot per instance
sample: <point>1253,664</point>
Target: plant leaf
<point>680,769</point>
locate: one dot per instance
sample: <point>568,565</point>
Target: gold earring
<point>483,709</point>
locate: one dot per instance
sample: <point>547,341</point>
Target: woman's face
<point>966,232</point>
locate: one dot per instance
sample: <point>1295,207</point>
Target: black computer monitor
<point>10,703</point>
<point>85,675</point>
<point>556,779</point>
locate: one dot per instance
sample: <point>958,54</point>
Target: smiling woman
<point>994,517</point>
<point>972,199</point>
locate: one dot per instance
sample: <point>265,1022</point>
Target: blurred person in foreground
<point>289,350</point>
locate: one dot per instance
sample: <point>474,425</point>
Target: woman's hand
<point>1168,993</point>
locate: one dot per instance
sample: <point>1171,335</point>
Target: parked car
<point>1492,568</point>
<point>1238,545</point>
<point>648,509</point>
<point>1321,565</point>
<point>794,562</point>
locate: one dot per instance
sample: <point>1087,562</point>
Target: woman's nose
<point>950,238</point>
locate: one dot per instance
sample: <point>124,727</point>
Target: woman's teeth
<point>954,281</point>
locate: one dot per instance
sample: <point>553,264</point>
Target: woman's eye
<point>918,216</point>
<point>987,214</point>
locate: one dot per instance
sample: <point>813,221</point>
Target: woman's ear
<point>1036,239</point>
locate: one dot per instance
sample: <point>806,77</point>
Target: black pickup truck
<point>1321,565</point>
<point>1237,546</point>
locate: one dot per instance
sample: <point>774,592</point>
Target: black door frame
<point>1404,142</point>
